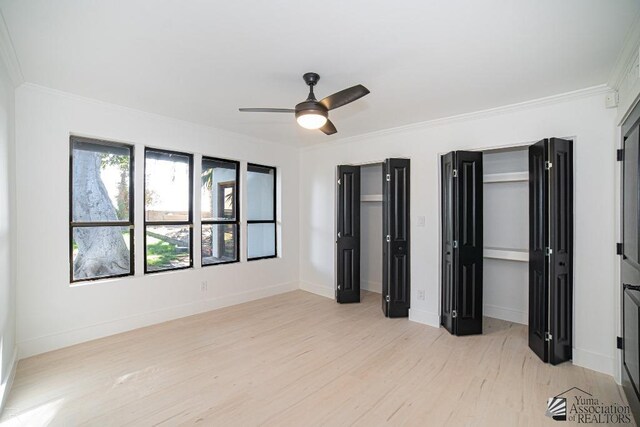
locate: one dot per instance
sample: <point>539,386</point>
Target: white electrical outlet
<point>203,286</point>
<point>421,294</point>
<point>421,221</point>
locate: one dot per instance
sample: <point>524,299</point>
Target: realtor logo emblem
<point>557,408</point>
<point>581,407</point>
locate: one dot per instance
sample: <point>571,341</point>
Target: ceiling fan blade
<point>267,110</point>
<point>329,128</point>
<point>344,97</point>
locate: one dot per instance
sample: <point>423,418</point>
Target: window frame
<point>236,207</point>
<point>188,223</point>
<point>263,221</point>
<point>122,223</point>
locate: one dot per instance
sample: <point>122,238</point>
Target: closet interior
<point>371,227</point>
<point>506,233</point>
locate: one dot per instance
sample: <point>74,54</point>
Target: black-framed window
<point>100,209</point>
<point>168,206</point>
<point>261,212</point>
<point>220,212</point>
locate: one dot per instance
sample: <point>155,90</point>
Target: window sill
<point>219,263</point>
<point>262,258</point>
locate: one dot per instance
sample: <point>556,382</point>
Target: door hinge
<point>454,314</point>
<point>619,248</point>
<point>548,165</point>
<point>388,177</point>
<point>387,298</point>
<point>620,154</point>
<point>548,251</point>
<point>455,173</point>
<point>339,181</point>
<point>548,336</point>
<point>619,343</point>
<point>455,244</point>
<point>388,238</point>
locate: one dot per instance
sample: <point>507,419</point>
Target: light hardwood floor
<point>296,359</point>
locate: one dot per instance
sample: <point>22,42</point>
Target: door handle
<point>339,235</point>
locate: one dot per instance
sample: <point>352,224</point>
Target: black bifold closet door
<point>348,238</point>
<point>550,246</point>
<point>394,232</point>
<point>396,277</point>
<point>461,281</point>
<point>551,249</point>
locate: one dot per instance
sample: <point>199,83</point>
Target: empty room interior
<point>319,214</point>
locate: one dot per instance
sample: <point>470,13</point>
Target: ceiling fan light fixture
<point>314,114</point>
<point>312,120</point>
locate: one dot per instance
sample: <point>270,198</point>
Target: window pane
<point>100,252</point>
<point>260,192</point>
<point>219,243</point>
<point>168,247</point>
<point>261,240</point>
<point>100,182</point>
<point>218,190</point>
<point>166,186</point>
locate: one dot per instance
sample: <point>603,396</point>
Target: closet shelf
<point>521,255</point>
<point>505,177</point>
<point>371,198</point>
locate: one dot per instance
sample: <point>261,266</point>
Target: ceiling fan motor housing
<point>311,107</point>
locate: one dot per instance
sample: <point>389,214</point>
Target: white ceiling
<point>200,60</point>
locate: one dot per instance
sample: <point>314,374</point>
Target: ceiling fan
<point>314,114</point>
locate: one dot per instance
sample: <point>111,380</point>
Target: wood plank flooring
<point>301,360</point>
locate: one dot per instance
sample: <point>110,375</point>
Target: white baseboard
<point>508,314</point>
<point>323,291</point>
<point>63,339</point>
<point>594,361</point>
<point>6,386</point>
<point>424,317</point>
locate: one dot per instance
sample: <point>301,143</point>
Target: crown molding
<point>8,54</point>
<point>521,106</point>
<point>627,55</point>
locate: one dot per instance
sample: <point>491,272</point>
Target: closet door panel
<point>561,257</point>
<point>630,203</point>
<point>348,235</point>
<point>447,204</point>
<point>629,267</point>
<point>396,191</point>
<point>538,242</point>
<point>468,255</point>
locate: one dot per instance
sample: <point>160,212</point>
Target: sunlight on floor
<point>41,415</point>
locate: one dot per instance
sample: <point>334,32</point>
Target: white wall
<point>580,115</point>
<point>7,232</point>
<point>51,313</point>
